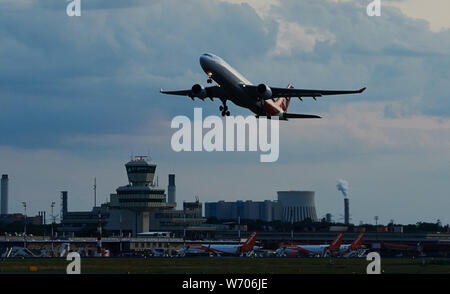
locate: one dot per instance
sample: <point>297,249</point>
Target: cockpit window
<point>207,54</point>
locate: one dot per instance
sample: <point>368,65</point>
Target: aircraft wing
<point>180,92</point>
<point>202,93</point>
<point>298,115</point>
<point>292,92</point>
<point>287,116</point>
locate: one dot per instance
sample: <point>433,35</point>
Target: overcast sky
<point>79,95</point>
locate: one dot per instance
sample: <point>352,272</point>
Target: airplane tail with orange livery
<point>336,244</point>
<point>357,243</point>
<point>249,243</point>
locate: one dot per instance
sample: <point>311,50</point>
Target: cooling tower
<point>297,205</point>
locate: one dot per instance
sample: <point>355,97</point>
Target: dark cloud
<point>101,72</point>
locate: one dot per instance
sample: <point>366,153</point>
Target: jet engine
<point>264,91</point>
<point>198,91</point>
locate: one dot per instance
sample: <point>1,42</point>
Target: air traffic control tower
<point>141,196</point>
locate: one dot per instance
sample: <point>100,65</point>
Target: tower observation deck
<point>140,172</point>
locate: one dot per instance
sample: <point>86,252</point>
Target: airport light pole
<point>25,226</point>
<point>376,227</point>
<point>53,221</point>
<point>292,226</point>
<point>239,224</point>
<point>120,224</point>
<point>184,228</point>
<point>95,192</point>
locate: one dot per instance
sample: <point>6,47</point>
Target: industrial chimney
<point>171,190</point>
<point>4,194</point>
<point>342,186</point>
<point>346,211</point>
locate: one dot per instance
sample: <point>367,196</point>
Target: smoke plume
<point>342,186</point>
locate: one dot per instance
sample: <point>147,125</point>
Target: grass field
<point>227,266</point>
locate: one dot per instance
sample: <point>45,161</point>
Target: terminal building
<point>291,206</point>
<point>140,206</point>
<point>255,210</point>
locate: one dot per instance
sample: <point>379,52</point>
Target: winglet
<point>362,90</point>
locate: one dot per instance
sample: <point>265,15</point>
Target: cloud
<point>435,12</point>
<point>262,7</point>
<point>364,127</point>
<point>292,36</point>
<point>101,72</point>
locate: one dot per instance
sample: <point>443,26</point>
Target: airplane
<point>354,248</point>
<point>261,99</point>
<point>315,250</point>
<point>219,249</point>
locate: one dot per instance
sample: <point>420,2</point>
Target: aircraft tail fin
<point>357,243</point>
<point>250,242</point>
<point>336,243</point>
<point>284,102</point>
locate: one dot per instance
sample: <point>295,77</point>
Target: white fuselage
<point>215,249</point>
<point>231,80</point>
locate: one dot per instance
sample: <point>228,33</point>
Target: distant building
<point>137,207</point>
<point>12,218</point>
<point>196,208</point>
<point>20,218</point>
<point>291,206</point>
<point>79,221</point>
<point>254,210</point>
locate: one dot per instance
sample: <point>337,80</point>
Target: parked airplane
<point>261,99</point>
<point>320,250</point>
<point>17,251</point>
<point>353,249</point>
<point>219,249</point>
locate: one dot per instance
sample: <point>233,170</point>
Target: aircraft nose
<point>204,60</point>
